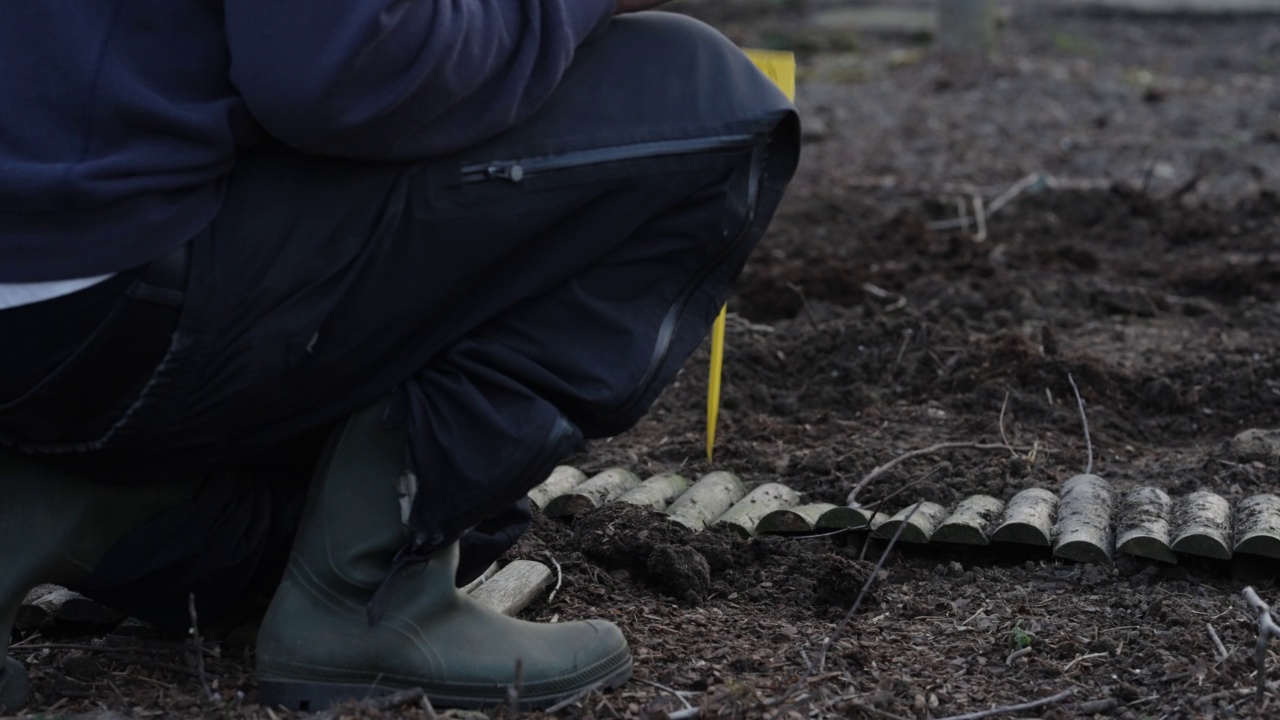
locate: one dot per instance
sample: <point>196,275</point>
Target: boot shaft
<point>54,527</point>
<point>352,525</point>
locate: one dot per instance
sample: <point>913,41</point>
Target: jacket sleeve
<point>401,79</point>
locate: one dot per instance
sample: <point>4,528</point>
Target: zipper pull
<point>505,171</point>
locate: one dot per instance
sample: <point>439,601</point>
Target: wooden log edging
<point>972,521</point>
<point>1087,524</point>
<point>746,514</point>
<point>563,479</point>
<point>844,517</point>
<point>1202,525</point>
<point>1084,531</point>
<point>514,587</point>
<point>707,500</point>
<point>917,521</point>
<point>592,493</point>
<point>1258,526</point>
<point>796,520</point>
<point>657,492</point>
<point>1142,527</point>
<point>1028,518</point>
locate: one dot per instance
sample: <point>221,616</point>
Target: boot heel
<point>313,696</point>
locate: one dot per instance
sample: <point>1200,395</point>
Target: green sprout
<point>1020,638</point>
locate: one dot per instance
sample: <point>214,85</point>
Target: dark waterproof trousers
<point>532,291</point>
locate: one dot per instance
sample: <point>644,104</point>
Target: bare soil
<point>1149,272</point>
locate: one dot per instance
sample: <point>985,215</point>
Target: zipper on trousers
<point>675,314</point>
<point>515,171</point>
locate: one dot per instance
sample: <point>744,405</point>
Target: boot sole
<point>311,696</point>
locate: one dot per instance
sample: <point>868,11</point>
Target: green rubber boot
<point>53,528</point>
<point>316,645</point>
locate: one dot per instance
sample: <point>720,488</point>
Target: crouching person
<point>301,298</point>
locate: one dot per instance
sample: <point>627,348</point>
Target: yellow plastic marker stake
<point>781,69</point>
<point>780,66</point>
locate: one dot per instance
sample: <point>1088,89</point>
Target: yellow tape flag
<point>781,68</point>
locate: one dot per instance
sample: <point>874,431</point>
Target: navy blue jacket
<point>119,118</point>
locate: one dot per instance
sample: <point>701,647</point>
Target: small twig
<point>105,649</point>
<point>1267,629</point>
<point>902,349</point>
<point>804,304</point>
<point>899,301</point>
<point>1020,652</point>
<point>1017,189</point>
<point>830,640</point>
<point>1235,692</point>
<point>866,542</point>
<point>381,703</point>
<point>686,714</point>
<point>575,698</point>
<point>1000,202</point>
<point>144,661</point>
<point>559,577</point>
<point>514,690</point>
<point>1186,187</point>
<point>1088,444</point>
<point>1080,658</point>
<point>679,695</point>
<point>1000,425</point>
<point>1217,641</point>
<point>1015,708</point>
<point>829,533</point>
<point>980,215</point>
<point>199,646</point>
<point>881,469</point>
<point>874,712</point>
<point>481,580</point>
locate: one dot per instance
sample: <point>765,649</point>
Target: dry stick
<point>107,649</point>
<point>1000,424</point>
<point>514,690</point>
<point>1004,199</point>
<point>195,636</point>
<point>804,304</point>
<point>1217,642</point>
<point>830,640</point>
<point>1017,189</point>
<point>381,703</point>
<point>1088,444</point>
<point>873,712</point>
<point>1267,629</point>
<point>1081,658</point>
<point>427,708</point>
<point>673,691</point>
<point>881,469</point>
<point>1015,708</point>
<point>981,215</point>
<point>1020,652</point>
<point>559,577</point>
<point>906,338</point>
<point>574,698</point>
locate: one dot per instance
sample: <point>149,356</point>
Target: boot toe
<point>14,687</point>
<point>594,653</point>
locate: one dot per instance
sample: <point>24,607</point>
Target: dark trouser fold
<point>512,300</point>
